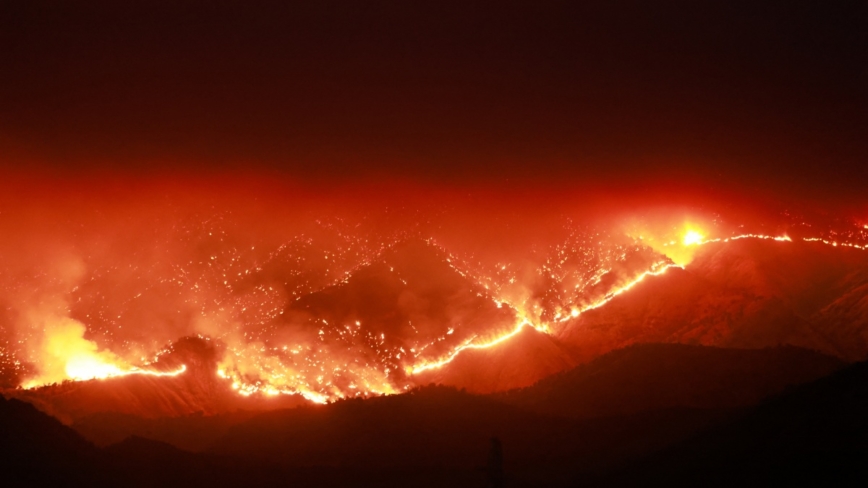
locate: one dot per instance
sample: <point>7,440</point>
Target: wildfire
<point>521,324</point>
<point>692,238</point>
<point>835,243</point>
<point>67,355</point>
<point>83,368</point>
<point>318,375</point>
<point>678,242</point>
<point>657,269</point>
<point>751,236</point>
<point>310,369</point>
<point>88,368</point>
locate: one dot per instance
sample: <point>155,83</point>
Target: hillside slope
<point>196,390</point>
<point>813,435</point>
<point>646,377</point>
<point>744,294</point>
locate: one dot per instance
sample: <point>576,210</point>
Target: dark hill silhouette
<point>439,427</point>
<point>437,436</point>
<point>140,462</point>
<point>194,432</point>
<point>426,427</point>
<point>646,377</point>
<point>37,450</point>
<point>746,294</point>
<point>40,451</point>
<point>812,435</point>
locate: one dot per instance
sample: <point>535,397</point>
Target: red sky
<point>587,95</point>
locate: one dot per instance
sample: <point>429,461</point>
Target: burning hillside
<point>365,302</point>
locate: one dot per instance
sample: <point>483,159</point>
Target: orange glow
<point>425,366</point>
<point>751,236</point>
<point>835,243</point>
<point>88,367</point>
<point>307,356</point>
<point>676,238</point>
<point>67,355</point>
<point>249,372</point>
<point>692,238</point>
<point>656,269</point>
<point>255,369</point>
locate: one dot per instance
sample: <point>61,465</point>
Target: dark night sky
<point>741,93</point>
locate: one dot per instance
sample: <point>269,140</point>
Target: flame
<point>85,367</point>
<point>521,324</point>
<point>67,355</point>
<point>692,238</point>
<point>656,269</point>
<point>678,241</point>
<point>256,369</point>
<point>752,236</point>
<point>835,243</point>
<point>319,374</point>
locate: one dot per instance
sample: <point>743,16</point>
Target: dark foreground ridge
<point>645,377</point>
<point>440,436</point>
<point>813,435</point>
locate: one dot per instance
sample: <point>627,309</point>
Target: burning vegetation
<point>326,305</point>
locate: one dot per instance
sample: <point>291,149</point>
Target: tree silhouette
<point>495,464</point>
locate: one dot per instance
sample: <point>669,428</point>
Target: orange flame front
<point>65,354</point>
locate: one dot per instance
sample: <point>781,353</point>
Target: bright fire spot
<point>67,355</point>
<point>692,238</point>
<point>678,240</point>
<point>89,367</point>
